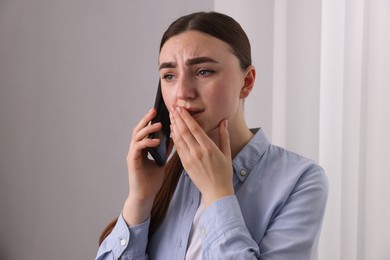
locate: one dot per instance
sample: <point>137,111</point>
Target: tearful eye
<point>168,77</point>
<point>204,73</point>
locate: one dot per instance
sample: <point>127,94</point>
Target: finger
<point>146,143</point>
<point>195,134</point>
<point>176,136</point>
<point>138,149</point>
<point>146,131</point>
<point>145,120</point>
<point>224,140</point>
<point>182,130</point>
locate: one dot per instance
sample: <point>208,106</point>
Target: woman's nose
<point>185,89</point>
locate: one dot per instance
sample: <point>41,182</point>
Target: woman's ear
<point>249,81</point>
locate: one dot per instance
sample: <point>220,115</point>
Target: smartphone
<point>159,153</point>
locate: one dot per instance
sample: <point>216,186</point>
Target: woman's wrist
<point>136,211</point>
<point>217,195</point>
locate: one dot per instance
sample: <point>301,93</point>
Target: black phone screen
<point>159,153</point>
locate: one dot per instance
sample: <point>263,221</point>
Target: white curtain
<point>323,90</point>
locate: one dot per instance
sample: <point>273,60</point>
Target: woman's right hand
<point>145,176</point>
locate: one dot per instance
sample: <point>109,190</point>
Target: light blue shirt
<point>276,213</point>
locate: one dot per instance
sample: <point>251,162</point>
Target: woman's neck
<point>238,139</point>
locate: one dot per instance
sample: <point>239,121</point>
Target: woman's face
<point>201,74</point>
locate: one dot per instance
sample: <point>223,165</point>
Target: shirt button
<point>203,231</point>
<point>243,172</point>
<point>123,242</point>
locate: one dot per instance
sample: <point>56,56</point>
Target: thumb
<point>224,140</point>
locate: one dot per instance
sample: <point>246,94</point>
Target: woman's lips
<point>195,113</point>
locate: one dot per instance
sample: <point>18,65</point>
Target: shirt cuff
<point>129,241</point>
<point>220,217</point>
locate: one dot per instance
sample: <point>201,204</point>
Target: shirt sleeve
<point>224,234</point>
<point>125,242</point>
<point>294,230</point>
<point>292,233</point>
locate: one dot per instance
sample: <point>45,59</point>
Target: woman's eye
<point>204,73</point>
<point>168,77</point>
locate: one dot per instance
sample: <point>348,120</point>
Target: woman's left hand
<point>208,165</point>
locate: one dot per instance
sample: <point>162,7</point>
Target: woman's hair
<point>218,25</point>
<point>226,29</point>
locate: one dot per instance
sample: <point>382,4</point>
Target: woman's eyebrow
<point>189,62</point>
<point>167,65</point>
<point>199,60</point>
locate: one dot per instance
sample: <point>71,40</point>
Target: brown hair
<point>218,25</point>
<point>222,27</point>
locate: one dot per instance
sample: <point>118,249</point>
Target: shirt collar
<point>247,158</point>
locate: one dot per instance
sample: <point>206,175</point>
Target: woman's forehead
<point>193,44</point>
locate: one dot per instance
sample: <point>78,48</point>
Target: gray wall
<point>75,77</point>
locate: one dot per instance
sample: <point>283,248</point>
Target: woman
<point>226,193</point>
